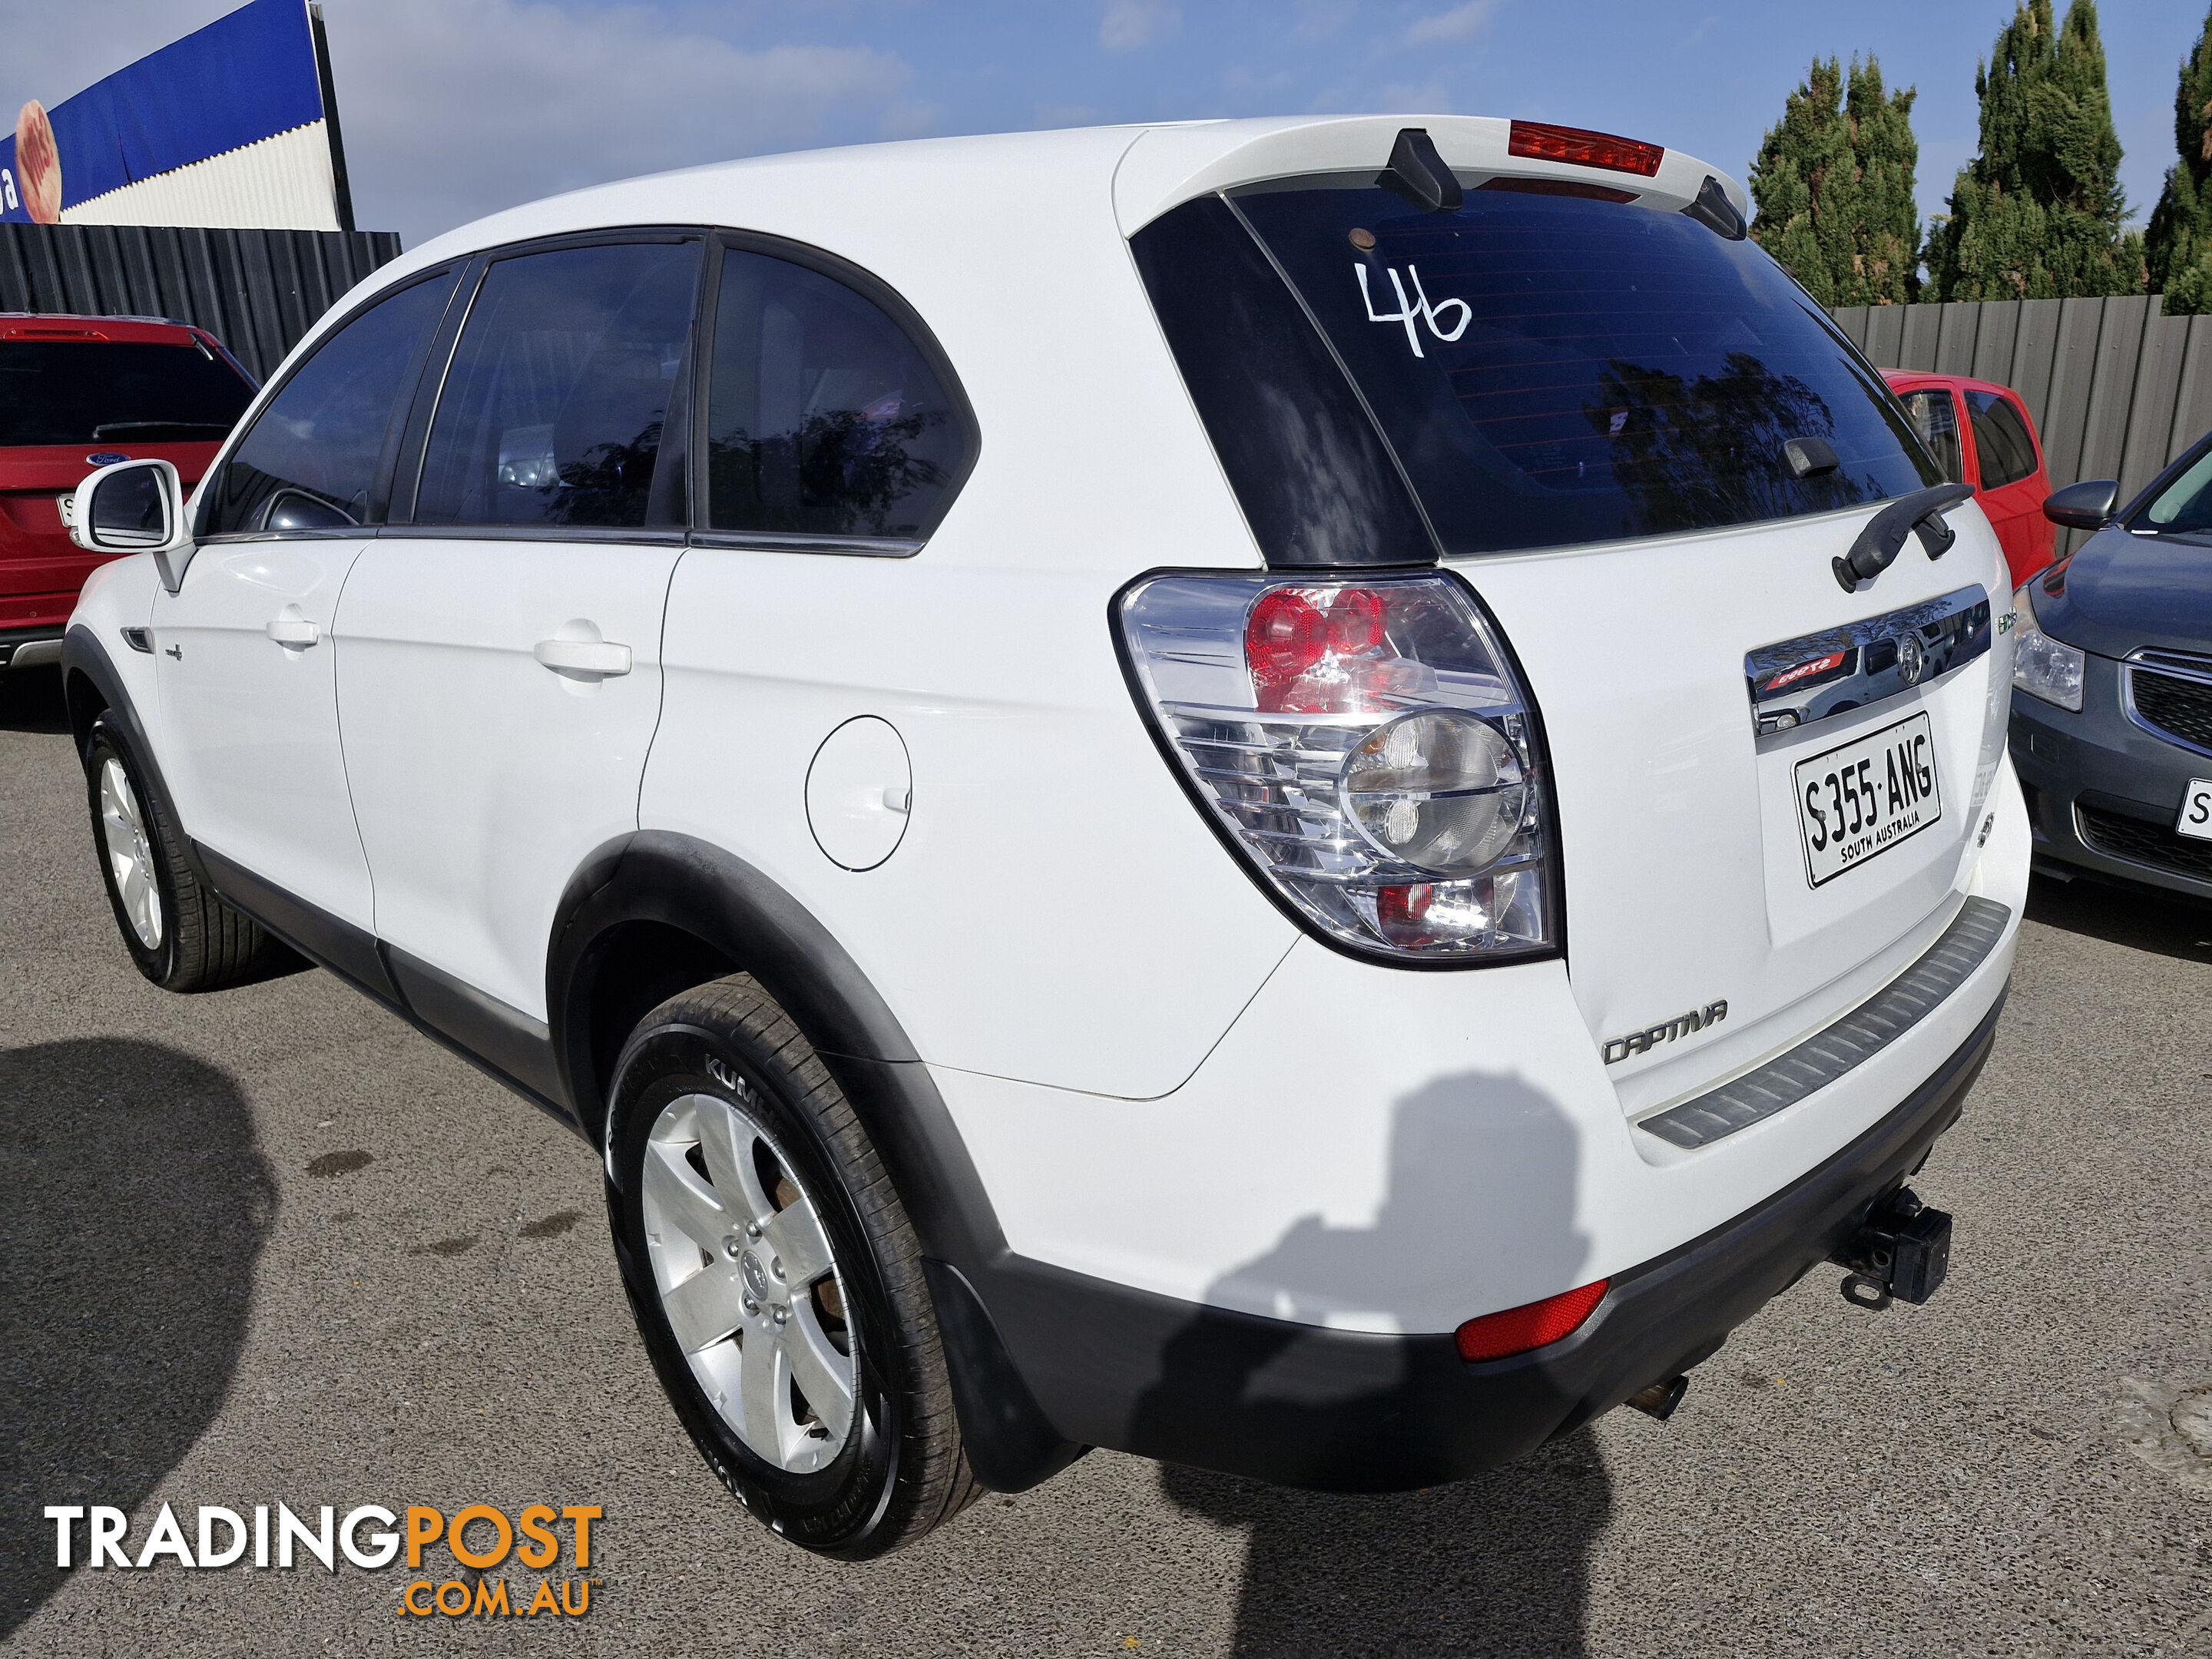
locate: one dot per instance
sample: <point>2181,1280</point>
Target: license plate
<point>2196,809</point>
<point>1865,797</point>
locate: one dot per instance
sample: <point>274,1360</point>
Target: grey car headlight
<point>2042,667</point>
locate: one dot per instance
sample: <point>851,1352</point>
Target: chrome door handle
<point>603,658</point>
<point>295,633</point>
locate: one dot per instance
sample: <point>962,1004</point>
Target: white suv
<point>1148,787</point>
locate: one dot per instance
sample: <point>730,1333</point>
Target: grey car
<point>2112,716</point>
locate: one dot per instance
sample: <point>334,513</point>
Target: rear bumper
<point>1306,1406</point>
<point>2103,793</point>
<point>25,648</point>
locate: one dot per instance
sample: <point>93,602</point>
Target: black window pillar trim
<point>404,483</point>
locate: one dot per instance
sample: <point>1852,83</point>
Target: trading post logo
<point>477,1537</point>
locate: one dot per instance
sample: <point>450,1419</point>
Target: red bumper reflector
<point>1583,149</point>
<point>1517,1330</point>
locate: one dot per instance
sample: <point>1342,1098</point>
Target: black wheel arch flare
<point>654,912</point>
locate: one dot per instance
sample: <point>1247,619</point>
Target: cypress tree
<point>2037,215</point>
<point>1832,187</point>
<point>2179,249</point>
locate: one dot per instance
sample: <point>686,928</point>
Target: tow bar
<point>1901,1252</point>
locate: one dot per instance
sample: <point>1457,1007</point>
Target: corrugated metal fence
<point>257,291</point>
<point>2116,389</point>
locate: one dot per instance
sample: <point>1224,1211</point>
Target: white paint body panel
<point>1057,911</point>
<point>1372,1150</point>
<point>484,778</point>
<point>116,595</point>
<point>252,754</point>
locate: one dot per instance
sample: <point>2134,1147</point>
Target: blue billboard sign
<point>245,77</point>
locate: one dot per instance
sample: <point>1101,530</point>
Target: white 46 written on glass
<point>1421,310</point>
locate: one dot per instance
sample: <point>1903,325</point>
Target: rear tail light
<point>1517,1330</point>
<point>1583,149</point>
<point>1366,747</point>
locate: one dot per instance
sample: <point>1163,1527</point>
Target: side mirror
<point>134,506</point>
<point>2085,506</point>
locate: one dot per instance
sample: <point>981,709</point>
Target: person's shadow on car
<point>1497,1562</point>
<point>138,1206</point>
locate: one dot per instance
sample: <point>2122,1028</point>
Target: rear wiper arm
<point>100,432</point>
<point>1878,544</point>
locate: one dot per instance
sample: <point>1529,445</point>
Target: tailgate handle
<point>1879,544</point>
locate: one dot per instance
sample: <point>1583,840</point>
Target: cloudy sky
<point>455,107</point>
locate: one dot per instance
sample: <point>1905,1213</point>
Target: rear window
<point>2008,453</point>
<point>90,392</point>
<point>1551,369</point>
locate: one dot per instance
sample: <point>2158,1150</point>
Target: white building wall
<point>282,183</point>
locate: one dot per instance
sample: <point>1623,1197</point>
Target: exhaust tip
<point>1660,1399</point>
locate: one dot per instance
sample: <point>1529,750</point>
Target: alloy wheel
<point>129,853</point>
<point>749,1282</point>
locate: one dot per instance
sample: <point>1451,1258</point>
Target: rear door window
<point>315,456</point>
<point>114,391</point>
<point>552,410</point>
<point>1935,416</point>
<point>1554,369</point>
<point>824,417</point>
<point>2001,439</point>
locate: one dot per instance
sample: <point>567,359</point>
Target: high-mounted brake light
<point>1366,747</point>
<point>1584,148</point>
<point>1538,1324</point>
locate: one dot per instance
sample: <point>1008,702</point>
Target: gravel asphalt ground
<point>271,1245</point>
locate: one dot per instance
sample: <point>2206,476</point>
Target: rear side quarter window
<point>825,416</point>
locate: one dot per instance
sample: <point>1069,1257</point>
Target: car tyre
<point>180,933</point>
<point>777,1280</point>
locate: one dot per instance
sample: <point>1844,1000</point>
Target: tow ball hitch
<point>1901,1252</point>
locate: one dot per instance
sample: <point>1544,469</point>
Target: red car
<point>1982,435</point>
<point>75,394</point>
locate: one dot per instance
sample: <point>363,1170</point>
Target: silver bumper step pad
<point>1859,1036</point>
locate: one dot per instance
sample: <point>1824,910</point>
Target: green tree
<point>2037,215</point>
<point>2179,249</point>
<point>1832,187</point>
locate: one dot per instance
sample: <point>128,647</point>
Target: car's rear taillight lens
<point>1366,745</point>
